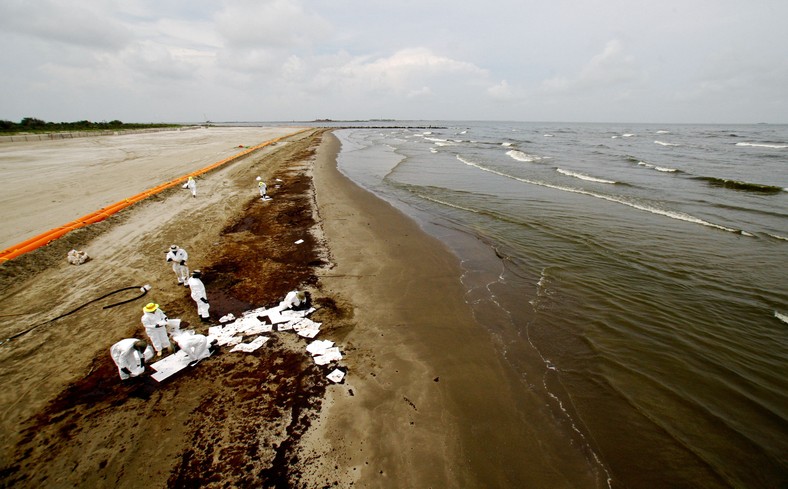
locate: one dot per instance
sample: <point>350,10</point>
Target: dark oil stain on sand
<point>254,407</point>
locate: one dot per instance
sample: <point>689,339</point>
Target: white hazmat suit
<point>199,296</point>
<point>293,299</point>
<point>191,184</point>
<point>194,345</point>
<point>128,358</point>
<point>155,323</point>
<point>178,257</point>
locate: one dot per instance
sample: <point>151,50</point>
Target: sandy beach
<point>425,401</point>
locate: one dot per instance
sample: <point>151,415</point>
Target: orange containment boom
<point>44,238</point>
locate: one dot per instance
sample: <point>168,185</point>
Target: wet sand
<point>425,402</point>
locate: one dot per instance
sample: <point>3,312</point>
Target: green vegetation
<point>30,124</point>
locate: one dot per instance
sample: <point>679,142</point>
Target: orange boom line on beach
<point>44,238</point>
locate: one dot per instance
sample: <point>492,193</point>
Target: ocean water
<point>635,277</point>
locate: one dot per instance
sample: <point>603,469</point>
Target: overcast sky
<point>715,61</point>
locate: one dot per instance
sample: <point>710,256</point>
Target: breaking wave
<point>662,143</point>
<point>610,198</point>
<point>743,186</point>
<point>520,156</point>
<point>781,317</point>
<point>764,145</point>
<point>658,168</point>
<point>583,177</point>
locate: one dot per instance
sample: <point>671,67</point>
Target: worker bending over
<point>130,356</point>
<point>194,345</point>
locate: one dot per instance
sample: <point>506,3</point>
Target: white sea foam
<point>433,150</point>
<point>663,132</point>
<point>582,176</point>
<point>548,135</point>
<point>506,144</point>
<point>627,135</point>
<point>662,143</point>
<point>520,156</point>
<point>762,145</point>
<point>658,168</point>
<point>781,317</point>
<point>610,198</point>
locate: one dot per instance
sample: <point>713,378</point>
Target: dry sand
<point>425,402</point>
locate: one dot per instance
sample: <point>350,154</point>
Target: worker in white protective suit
<point>155,322</point>
<point>295,299</point>
<point>178,257</point>
<point>263,188</point>
<point>191,184</point>
<point>130,356</point>
<point>195,345</point>
<point>199,296</point>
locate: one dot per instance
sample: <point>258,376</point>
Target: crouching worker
<point>199,296</point>
<point>195,345</point>
<point>296,300</point>
<point>130,356</point>
<point>155,322</point>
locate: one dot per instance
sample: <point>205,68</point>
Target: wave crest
<point>743,186</point>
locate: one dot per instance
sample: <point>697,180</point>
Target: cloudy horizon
<point>701,61</point>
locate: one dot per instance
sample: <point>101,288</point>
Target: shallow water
<point>633,276</point>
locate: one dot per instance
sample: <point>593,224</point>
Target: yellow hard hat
<point>150,307</point>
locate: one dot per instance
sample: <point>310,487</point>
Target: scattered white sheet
<point>247,323</point>
<point>262,328</point>
<point>284,326</point>
<point>307,328</point>
<point>336,376</point>
<point>170,365</point>
<point>330,355</point>
<point>276,317</point>
<point>319,347</point>
<point>251,346</point>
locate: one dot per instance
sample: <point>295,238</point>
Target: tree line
<point>31,124</point>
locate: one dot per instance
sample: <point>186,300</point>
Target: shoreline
<point>442,403</point>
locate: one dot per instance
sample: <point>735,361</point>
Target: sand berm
<point>425,402</point>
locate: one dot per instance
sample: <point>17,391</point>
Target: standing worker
<point>130,356</point>
<point>263,188</point>
<point>191,184</point>
<point>155,322</point>
<point>199,296</point>
<point>178,257</point>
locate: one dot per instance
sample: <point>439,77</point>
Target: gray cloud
<point>594,60</point>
